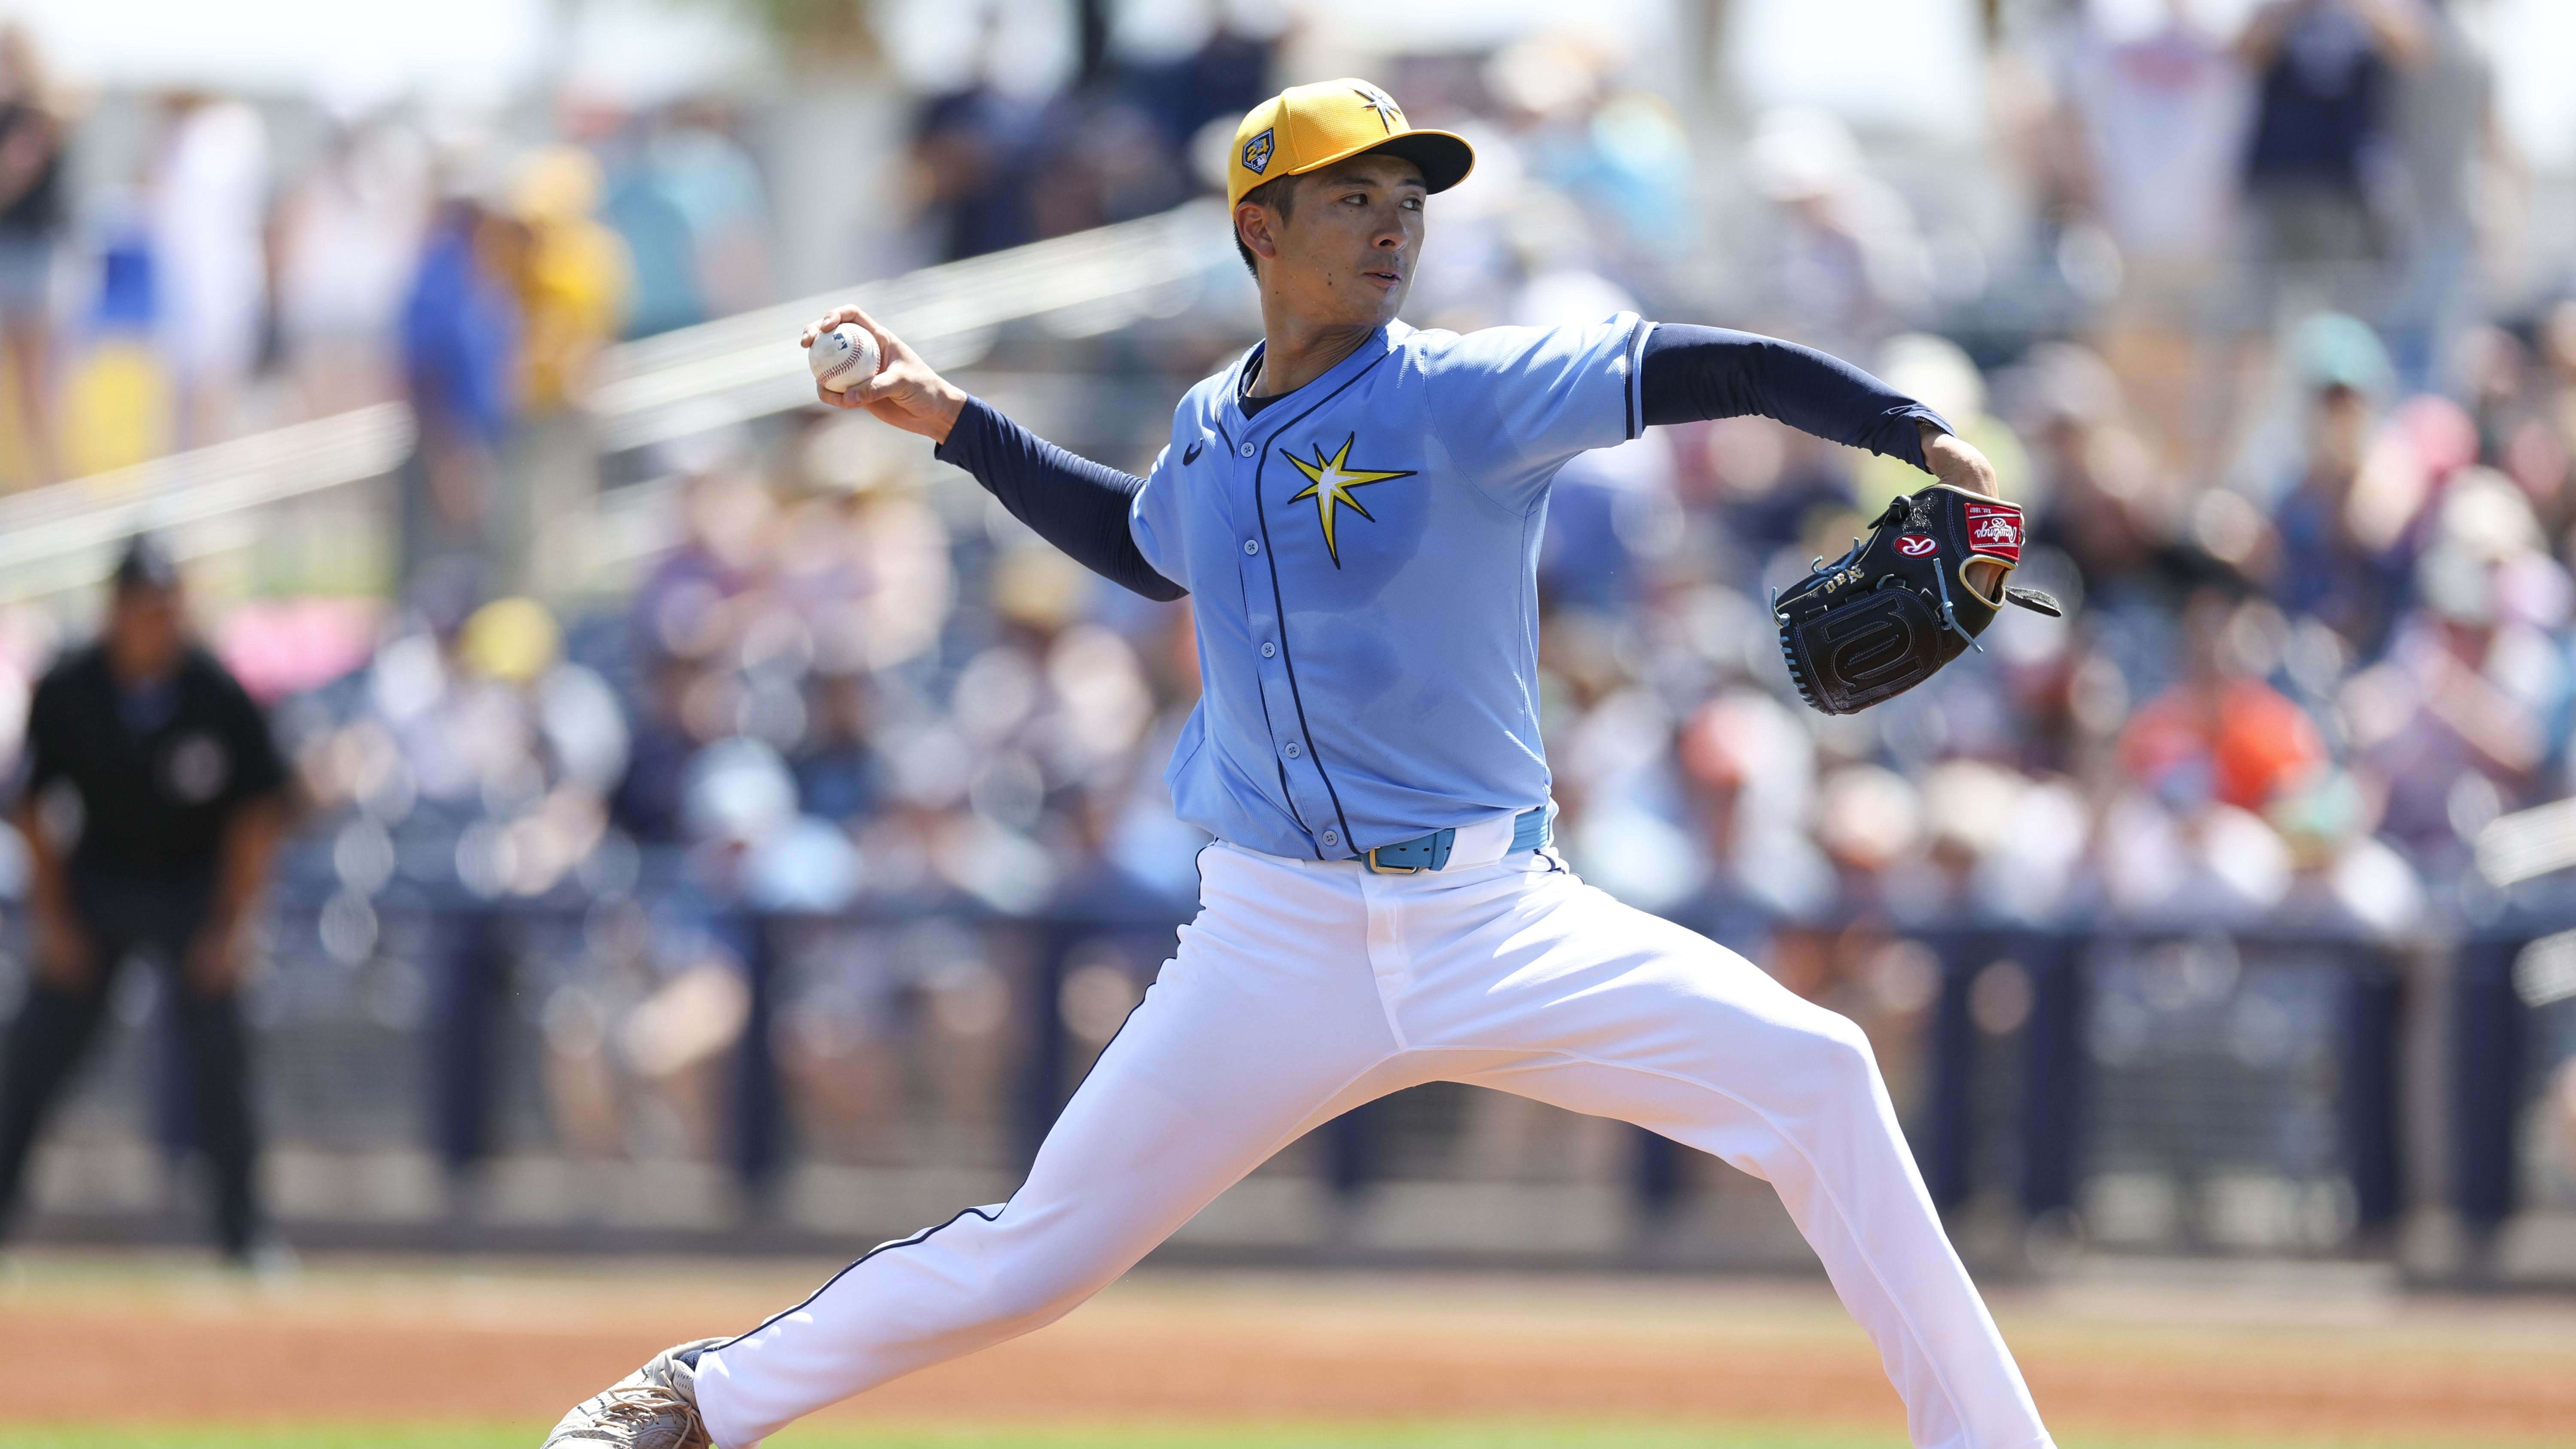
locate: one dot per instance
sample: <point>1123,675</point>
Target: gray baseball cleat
<point>655,1407</point>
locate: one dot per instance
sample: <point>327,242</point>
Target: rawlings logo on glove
<point>1905,601</point>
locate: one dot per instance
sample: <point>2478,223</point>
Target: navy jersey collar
<point>1376,346</point>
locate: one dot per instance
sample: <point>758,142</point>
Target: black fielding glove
<point>1890,613</point>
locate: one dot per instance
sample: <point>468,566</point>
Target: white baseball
<point>843,357</point>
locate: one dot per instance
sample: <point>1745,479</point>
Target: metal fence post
<point>1659,1179</point>
<point>1350,1149</point>
<point>1042,1086</point>
<point>461,1041</point>
<point>759,1125</point>
<point>2374,998</point>
<point>2053,1075</point>
<point>1947,1152</point>
<point>2487,1051</point>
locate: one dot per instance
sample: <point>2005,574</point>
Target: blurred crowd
<point>2295,435</point>
<point>2269,342</point>
<point>246,264</point>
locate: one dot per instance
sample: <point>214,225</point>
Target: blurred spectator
<point>2541,459</point>
<point>1104,162</point>
<point>719,191</point>
<point>1213,84</point>
<point>670,290</point>
<point>209,217</point>
<point>116,408</point>
<point>574,282</point>
<point>2163,117</point>
<point>153,800</point>
<point>353,227</point>
<point>2159,119</point>
<point>689,205</point>
<point>1618,154</point>
<point>2329,565</point>
<point>2443,132</point>
<point>2323,71</point>
<point>32,216</point>
<point>2221,734</point>
<point>972,152</point>
<point>2471,708</point>
<point>460,346</point>
<point>2110,504</point>
<point>1846,266</point>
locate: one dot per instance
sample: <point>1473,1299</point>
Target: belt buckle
<point>1371,858</point>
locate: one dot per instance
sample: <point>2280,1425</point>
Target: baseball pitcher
<point>1355,508</point>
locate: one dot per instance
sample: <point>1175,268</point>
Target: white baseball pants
<point>1306,988</point>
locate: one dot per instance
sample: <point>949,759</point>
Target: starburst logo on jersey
<point>1389,114</point>
<point>1256,152</point>
<point>1329,482</point>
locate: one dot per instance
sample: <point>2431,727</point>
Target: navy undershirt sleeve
<point>1689,374</point>
<point>1076,504</point>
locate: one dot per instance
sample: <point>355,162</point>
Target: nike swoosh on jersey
<point>1191,453</point>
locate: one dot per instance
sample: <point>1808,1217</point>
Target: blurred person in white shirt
<point>208,221</point>
<point>2161,109</point>
<point>1844,265</point>
<point>352,231</point>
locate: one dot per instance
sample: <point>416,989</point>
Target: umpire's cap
<point>1307,128</point>
<point>145,565</point>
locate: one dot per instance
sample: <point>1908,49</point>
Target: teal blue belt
<point>1431,852</point>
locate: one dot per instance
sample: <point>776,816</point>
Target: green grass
<point>1159,1436</point>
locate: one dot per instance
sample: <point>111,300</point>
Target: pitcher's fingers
<point>829,398</point>
<point>1987,577</point>
<point>832,319</point>
<point>889,346</point>
<point>877,389</point>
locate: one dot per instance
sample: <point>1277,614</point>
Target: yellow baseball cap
<point>1307,128</point>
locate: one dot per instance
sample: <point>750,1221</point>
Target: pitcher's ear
<point>1252,227</point>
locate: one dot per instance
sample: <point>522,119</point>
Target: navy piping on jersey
<point>1286,792</point>
<point>1636,365</point>
<point>1270,557</point>
<point>925,1235</point>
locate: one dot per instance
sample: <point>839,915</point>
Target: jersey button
<point>1247,450</point>
<point>1293,750</point>
<point>1331,838</point>
<point>1267,650</point>
<point>1252,545</point>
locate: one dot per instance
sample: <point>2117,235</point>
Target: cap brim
<point>1445,158</point>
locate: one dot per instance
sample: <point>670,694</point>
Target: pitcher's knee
<point>1030,1298</point>
<point>1834,1048</point>
<point>1040,1268</point>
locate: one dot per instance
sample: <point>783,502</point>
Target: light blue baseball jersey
<point>1362,556</point>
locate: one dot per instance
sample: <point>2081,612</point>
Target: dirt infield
<point>2212,1357</point>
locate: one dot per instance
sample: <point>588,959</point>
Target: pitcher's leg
<point>1621,1014</point>
<point>1266,1024</point>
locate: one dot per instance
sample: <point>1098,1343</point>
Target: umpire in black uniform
<point>153,800</point>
